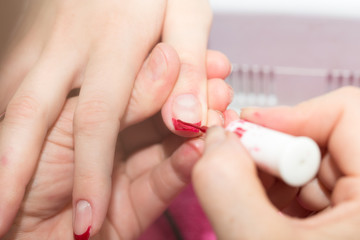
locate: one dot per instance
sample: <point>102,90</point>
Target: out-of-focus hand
<point>236,200</point>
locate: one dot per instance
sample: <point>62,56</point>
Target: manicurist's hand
<point>98,47</point>
<point>236,201</point>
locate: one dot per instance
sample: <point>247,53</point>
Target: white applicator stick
<point>296,160</point>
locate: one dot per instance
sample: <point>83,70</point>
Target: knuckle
<point>94,179</point>
<point>92,114</point>
<point>24,107</point>
<point>84,177</point>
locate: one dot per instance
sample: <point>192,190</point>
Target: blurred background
<point>283,51</point>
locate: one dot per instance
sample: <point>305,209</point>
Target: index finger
<point>186,28</point>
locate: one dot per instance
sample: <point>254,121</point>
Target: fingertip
<point>217,64</point>
<point>229,116</point>
<point>82,220</point>
<point>314,196</point>
<point>91,197</point>
<point>220,94</point>
<point>180,109</point>
<point>89,214</point>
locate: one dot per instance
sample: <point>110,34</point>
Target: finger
<point>188,35</point>
<point>104,96</point>
<point>152,85</point>
<point>32,110</point>
<point>226,182</point>
<point>155,129</point>
<point>230,115</point>
<point>314,196</point>
<point>345,214</point>
<point>220,94</point>
<point>217,65</point>
<point>331,120</point>
<point>151,192</point>
<point>329,172</point>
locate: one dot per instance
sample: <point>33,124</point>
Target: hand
<point>236,201</point>
<point>141,159</point>
<point>99,48</point>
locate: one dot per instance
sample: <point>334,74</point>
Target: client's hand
<point>152,166</point>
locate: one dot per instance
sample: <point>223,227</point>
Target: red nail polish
<point>190,127</point>
<point>84,236</point>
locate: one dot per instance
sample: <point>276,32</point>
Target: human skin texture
<point>244,204</point>
<point>99,47</point>
<point>158,159</point>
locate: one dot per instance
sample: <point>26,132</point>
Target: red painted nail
<point>191,127</point>
<point>84,236</point>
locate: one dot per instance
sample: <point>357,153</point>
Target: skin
<point>62,45</point>
<point>239,206</point>
<point>149,171</point>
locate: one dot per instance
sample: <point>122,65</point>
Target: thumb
<point>230,192</point>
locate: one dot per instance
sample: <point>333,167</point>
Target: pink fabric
<point>189,218</point>
<point>159,230</point>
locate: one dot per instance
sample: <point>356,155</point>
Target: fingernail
<point>187,108</point>
<point>157,63</point>
<point>83,218</point>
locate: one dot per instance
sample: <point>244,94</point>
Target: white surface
<point>295,160</point>
<point>335,8</point>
